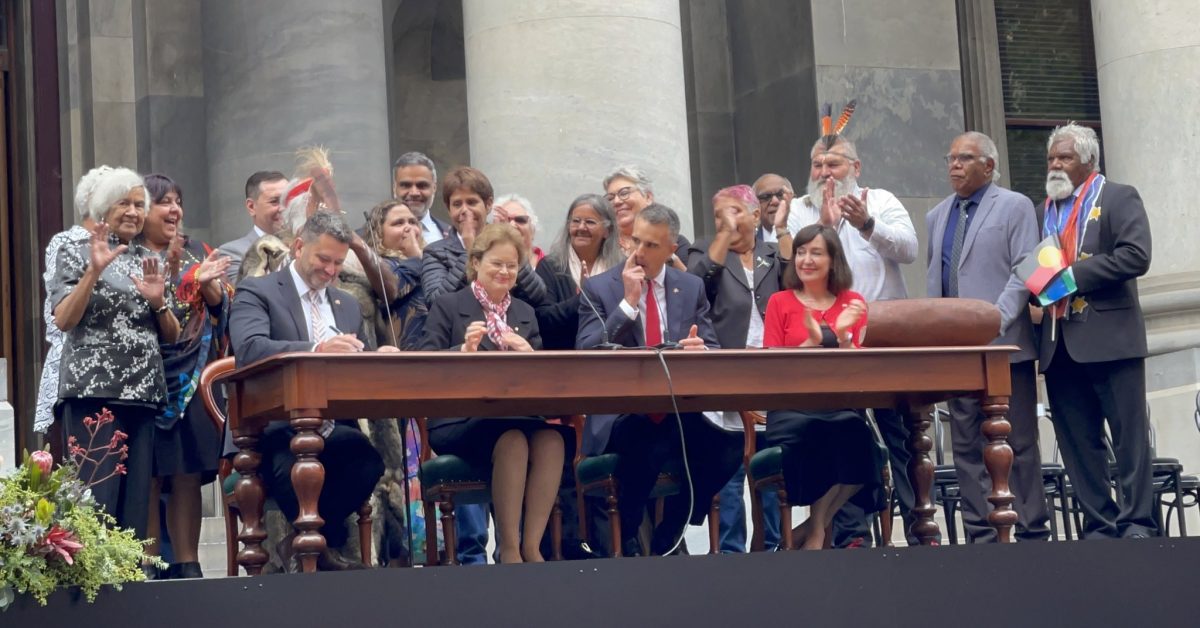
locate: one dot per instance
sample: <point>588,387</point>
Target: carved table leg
<point>250,497</point>
<point>998,458</point>
<point>308,475</point>
<point>920,473</point>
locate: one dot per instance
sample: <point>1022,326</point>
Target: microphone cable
<point>687,470</point>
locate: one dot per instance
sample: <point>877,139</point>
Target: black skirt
<point>190,445</point>
<point>474,439</point>
<point>821,449</point>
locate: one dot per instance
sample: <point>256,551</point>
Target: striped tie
<point>317,329</point>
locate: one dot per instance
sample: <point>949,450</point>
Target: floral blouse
<point>113,352</point>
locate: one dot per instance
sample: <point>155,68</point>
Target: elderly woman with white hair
<point>629,190</point>
<point>109,299</point>
<point>517,211</point>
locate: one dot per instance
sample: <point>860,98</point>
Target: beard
<point>1058,185</point>
<point>841,187</point>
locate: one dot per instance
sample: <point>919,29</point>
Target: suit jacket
<point>727,290</point>
<point>451,313</point>
<point>1115,252</point>
<point>444,269</point>
<point>558,317</point>
<point>686,305</point>
<point>236,251</point>
<point>1003,231</point>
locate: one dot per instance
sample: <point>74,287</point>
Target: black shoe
<point>152,572</point>
<point>183,571</point>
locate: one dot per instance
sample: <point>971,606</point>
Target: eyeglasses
<point>520,220</point>
<point>622,193</point>
<point>961,158</point>
<point>766,197</point>
<point>584,222</point>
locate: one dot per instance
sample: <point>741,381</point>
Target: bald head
<point>770,189</point>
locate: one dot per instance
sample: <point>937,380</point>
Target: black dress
<point>821,449</point>
<point>558,317</point>
<point>474,438</point>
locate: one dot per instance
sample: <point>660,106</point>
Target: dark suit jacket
<point>686,306</point>
<point>444,269</point>
<point>558,317</point>
<point>1118,252</point>
<point>450,315</point>
<point>728,292</point>
<point>1003,231</point>
<point>267,319</point>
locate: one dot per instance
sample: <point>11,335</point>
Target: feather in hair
<point>312,158</point>
<point>844,119</point>
<point>826,119</point>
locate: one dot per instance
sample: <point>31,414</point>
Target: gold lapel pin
<point>337,301</point>
<point>676,291</point>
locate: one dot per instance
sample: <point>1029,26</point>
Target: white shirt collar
<point>259,232</point>
<point>301,287</point>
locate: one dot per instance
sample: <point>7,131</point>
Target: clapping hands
<point>152,282</point>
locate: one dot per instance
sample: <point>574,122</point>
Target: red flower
<point>43,460</point>
<point>62,543</point>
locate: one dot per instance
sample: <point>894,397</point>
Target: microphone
<point>608,343</point>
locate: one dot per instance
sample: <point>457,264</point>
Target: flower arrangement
<point>53,534</point>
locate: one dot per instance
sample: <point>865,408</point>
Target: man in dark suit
<point>1093,346</point>
<point>297,310</point>
<point>263,191</point>
<point>644,303</point>
<point>414,181</point>
<point>976,237</point>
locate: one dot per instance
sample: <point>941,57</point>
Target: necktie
<point>316,331</point>
<point>653,326</point>
<point>653,332</point>
<point>960,231</point>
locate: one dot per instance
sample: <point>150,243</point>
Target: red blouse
<point>784,326</point>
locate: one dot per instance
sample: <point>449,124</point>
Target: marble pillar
<point>283,74</point>
<point>900,60</point>
<point>1148,67</point>
<point>559,94</point>
<point>983,95</point>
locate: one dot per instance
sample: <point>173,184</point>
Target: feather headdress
<point>830,130</point>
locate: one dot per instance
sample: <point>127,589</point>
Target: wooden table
<point>305,388</point>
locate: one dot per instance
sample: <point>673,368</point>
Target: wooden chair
<point>209,378</point>
<point>595,477</point>
<point>449,481</point>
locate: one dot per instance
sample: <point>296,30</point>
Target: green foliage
<point>52,534</point>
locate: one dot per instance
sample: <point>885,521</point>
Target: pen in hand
<point>339,332</point>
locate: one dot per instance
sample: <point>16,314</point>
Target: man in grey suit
<point>263,190</point>
<point>976,237</point>
<point>298,310</point>
<point>645,303</point>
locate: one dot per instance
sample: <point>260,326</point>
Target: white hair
<point>987,149</point>
<point>1087,145</point>
<point>519,200</point>
<point>634,174</point>
<point>101,188</point>
<point>850,152</point>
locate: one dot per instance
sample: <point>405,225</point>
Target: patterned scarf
<point>494,313</point>
<point>1070,228</point>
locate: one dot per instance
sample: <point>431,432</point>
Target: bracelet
<point>160,311</point>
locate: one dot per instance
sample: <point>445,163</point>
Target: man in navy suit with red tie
<point>647,303</point>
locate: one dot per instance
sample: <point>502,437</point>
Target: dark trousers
<point>125,497</point>
<point>646,448</point>
<point>852,522</point>
<point>1025,481</point>
<point>352,468</point>
<point>1082,396</point>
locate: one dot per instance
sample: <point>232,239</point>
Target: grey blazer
<point>236,250</point>
<point>1003,231</point>
<point>727,290</point>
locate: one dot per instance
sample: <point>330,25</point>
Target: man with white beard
<point>1093,345</point>
<point>878,236</point>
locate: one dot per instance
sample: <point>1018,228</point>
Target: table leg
<point>250,496</point>
<point>308,476</point>
<point>920,473</point>
<point>998,458</point>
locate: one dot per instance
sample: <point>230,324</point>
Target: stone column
<point>560,94</point>
<point>983,95</point>
<point>282,74</point>
<point>1148,65</point>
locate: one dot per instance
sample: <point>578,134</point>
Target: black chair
<point>1185,491</point>
<point>945,479</point>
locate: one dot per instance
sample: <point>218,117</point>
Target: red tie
<point>653,332</point>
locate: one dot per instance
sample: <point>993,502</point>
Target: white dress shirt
<point>660,297</point>
<point>429,229</point>
<point>875,261</point>
<point>259,232</point>
<point>323,305</point>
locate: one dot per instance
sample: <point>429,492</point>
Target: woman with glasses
<point>516,210</point>
<point>629,191</point>
<point>586,246</point>
<point>524,455</point>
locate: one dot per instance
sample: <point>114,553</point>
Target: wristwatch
<point>868,225</point>
<point>162,309</point>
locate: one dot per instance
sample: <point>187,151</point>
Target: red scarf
<point>494,314</point>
